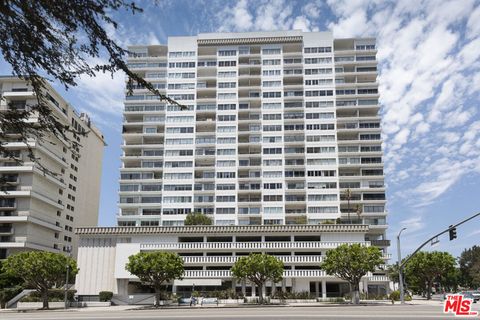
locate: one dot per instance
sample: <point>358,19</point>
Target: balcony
<point>243,245</point>
<point>232,259</point>
<point>380,243</point>
<point>286,274</point>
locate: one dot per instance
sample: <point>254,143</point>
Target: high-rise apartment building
<point>279,144</point>
<point>280,128</point>
<point>39,210</point>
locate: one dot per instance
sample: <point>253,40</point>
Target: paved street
<point>276,313</point>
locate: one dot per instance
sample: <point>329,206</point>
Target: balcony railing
<point>286,274</point>
<point>244,245</point>
<point>231,259</point>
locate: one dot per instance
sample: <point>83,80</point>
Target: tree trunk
<point>260,293</point>
<point>429,290</point>
<point>355,293</point>
<point>157,297</point>
<point>45,299</point>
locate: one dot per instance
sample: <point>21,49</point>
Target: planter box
<point>39,305</point>
<point>300,300</point>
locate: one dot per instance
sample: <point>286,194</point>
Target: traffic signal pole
<point>449,229</point>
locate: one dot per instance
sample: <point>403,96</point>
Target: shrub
<point>395,295</point>
<point>8,293</point>
<point>105,296</point>
<point>54,295</point>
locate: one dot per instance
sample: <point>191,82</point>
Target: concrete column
<point>254,294</point>
<point>324,289</point>
<point>174,289</point>
<point>317,289</point>
<point>293,285</point>
<point>274,288</point>
<point>244,290</point>
<point>234,284</point>
<point>284,285</point>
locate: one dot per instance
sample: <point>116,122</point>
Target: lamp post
<point>66,278</point>
<point>399,263</point>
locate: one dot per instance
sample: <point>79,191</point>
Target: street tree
<point>40,270</point>
<point>62,41</point>
<point>392,272</point>
<point>425,267</point>
<point>258,268</point>
<point>154,269</point>
<point>351,263</point>
<point>10,286</point>
<point>198,219</point>
<point>469,263</point>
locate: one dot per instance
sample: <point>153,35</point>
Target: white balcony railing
<point>244,245</point>
<point>232,260</point>
<point>286,274</point>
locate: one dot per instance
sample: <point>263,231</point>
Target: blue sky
<point>428,54</point>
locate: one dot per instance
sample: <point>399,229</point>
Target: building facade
<point>210,251</point>
<point>278,141</point>
<point>280,128</point>
<point>39,210</point>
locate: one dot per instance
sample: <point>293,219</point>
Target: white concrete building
<point>38,210</point>
<point>278,126</point>
<point>210,251</point>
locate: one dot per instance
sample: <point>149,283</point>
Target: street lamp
<point>399,263</point>
<point>69,251</point>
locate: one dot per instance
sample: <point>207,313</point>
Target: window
<point>225,211</point>
<point>230,106</point>
<point>272,116</point>
<point>321,173</point>
<point>227,74</point>
<point>181,65</point>
<point>272,174</point>
<point>270,73</point>
<point>322,209</point>
<point>272,51</point>
<point>319,93</point>
<point>227,95</point>
<point>225,198</point>
<point>227,63</point>
<point>318,71</point>
<point>323,126</point>
<point>317,49</point>
<point>223,85</point>
<point>277,94</point>
<point>180,130</point>
<point>318,104</point>
<point>322,197</point>
<point>228,117</point>
<point>318,60</point>
<point>176,176</point>
<point>227,53</point>
<point>271,62</point>
<point>180,54</point>
<point>273,197</point>
<point>226,175</point>
<point>318,82</point>
<point>272,83</point>
<point>321,162</point>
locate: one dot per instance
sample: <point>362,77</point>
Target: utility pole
<point>66,279</point>
<point>399,264</point>
<point>451,227</point>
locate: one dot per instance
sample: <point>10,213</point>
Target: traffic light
<point>453,233</point>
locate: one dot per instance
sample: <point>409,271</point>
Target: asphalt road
<point>274,313</point>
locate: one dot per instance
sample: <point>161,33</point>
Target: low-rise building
<point>210,251</point>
